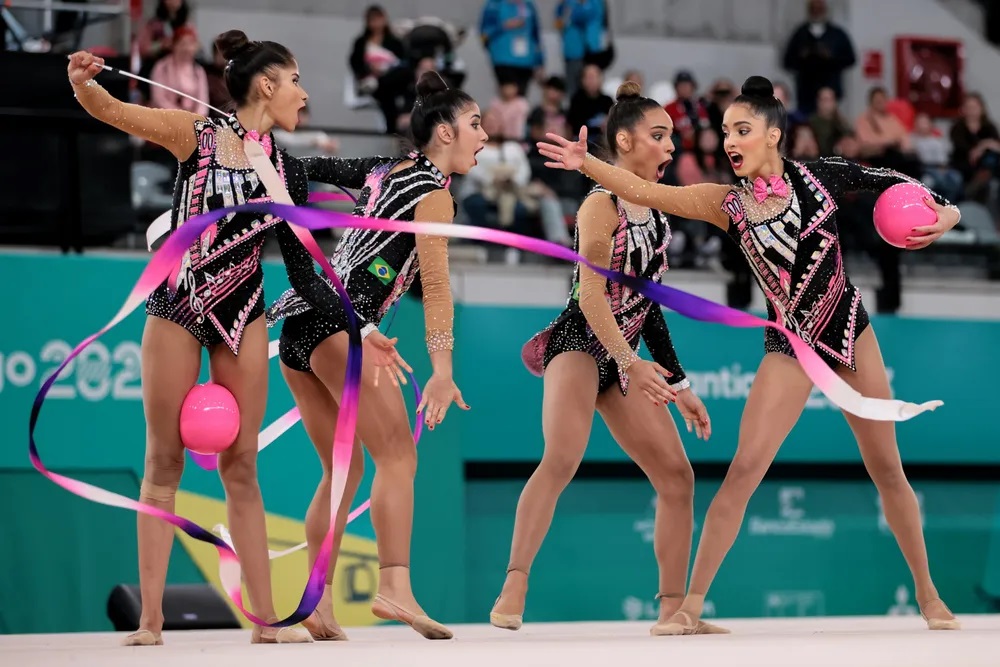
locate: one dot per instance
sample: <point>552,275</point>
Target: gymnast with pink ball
<point>215,300</point>
<point>783,216</point>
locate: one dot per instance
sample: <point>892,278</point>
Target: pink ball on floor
<point>210,419</point>
<point>899,210</point>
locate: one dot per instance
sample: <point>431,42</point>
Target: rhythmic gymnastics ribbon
<point>159,269</point>
<point>302,219</point>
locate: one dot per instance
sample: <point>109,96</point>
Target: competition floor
<point>807,642</point>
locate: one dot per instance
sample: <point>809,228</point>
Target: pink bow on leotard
<point>774,185</point>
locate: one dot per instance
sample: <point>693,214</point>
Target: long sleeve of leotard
<point>171,128</point>
<point>694,202</point>
<point>345,172</point>
<point>596,222</point>
<point>304,279</point>
<point>657,338</point>
<point>432,252</point>
<point>841,176</point>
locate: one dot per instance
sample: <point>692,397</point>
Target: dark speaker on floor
<point>185,607</point>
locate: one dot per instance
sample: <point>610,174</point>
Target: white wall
<point>874,24</point>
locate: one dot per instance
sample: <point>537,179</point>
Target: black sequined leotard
<point>790,241</point>
<point>377,268</point>
<point>639,239</point>
<point>220,279</point>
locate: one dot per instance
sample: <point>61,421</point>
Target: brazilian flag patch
<point>576,292</point>
<point>381,270</point>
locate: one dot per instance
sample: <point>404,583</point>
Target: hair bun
<point>758,86</point>
<point>430,83</point>
<point>232,43</point>
<point>628,89</point>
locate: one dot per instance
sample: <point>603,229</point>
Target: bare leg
<point>649,436</point>
<point>571,383</point>
<point>319,417</point>
<point>877,442</point>
<point>384,428</point>
<point>245,376</point>
<point>171,359</point>
<point>776,401</point>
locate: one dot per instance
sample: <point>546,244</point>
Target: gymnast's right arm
<point>694,202</point>
<point>171,128</point>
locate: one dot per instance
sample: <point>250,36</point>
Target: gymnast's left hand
<point>694,413</point>
<point>439,393</point>
<point>947,218</point>
<point>382,352</point>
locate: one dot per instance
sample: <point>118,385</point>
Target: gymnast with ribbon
<point>376,268</point>
<point>214,297</point>
<point>587,358</point>
<point>783,216</point>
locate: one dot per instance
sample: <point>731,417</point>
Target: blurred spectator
<point>510,111</point>
<point>493,194</point>
<point>719,98</point>
<point>552,110</point>
<point>511,33</point>
<point>512,36</point>
<point>304,141</point>
<point>635,76</point>
<point>796,116</point>
<point>378,61</point>
<point>827,123</point>
<point>688,111</point>
<point>409,95</point>
<point>585,37</point>
<point>884,141</point>
<point>976,150</point>
<point>156,38</point>
<point>590,106</point>
<point>434,38</point>
<point>180,71</point>
<point>818,52</point>
<point>934,150</point>
<point>706,162</point>
<point>803,145</point>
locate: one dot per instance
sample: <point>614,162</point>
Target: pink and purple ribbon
<point>303,219</point>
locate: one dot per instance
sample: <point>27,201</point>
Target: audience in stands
<point>511,33</point>
<point>179,70</point>
<point>818,52</point>
<point>379,63</point>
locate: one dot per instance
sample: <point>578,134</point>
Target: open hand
<point>382,352</point>
<point>563,153</point>
<point>439,393</point>
<point>648,377</point>
<point>947,218</point>
<point>694,413</point>
<point>83,67</point>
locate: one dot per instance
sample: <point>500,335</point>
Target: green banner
<point>805,549</point>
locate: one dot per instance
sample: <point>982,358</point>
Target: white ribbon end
<point>910,410</point>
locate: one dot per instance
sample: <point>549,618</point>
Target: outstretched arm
<point>171,128</point>
<point>695,202</point>
<point>344,172</point>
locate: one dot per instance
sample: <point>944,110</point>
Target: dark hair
<point>877,90</point>
<point>629,108</point>
<point>758,94</point>
<point>247,59</point>
<point>179,19</point>
<point>436,103</point>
